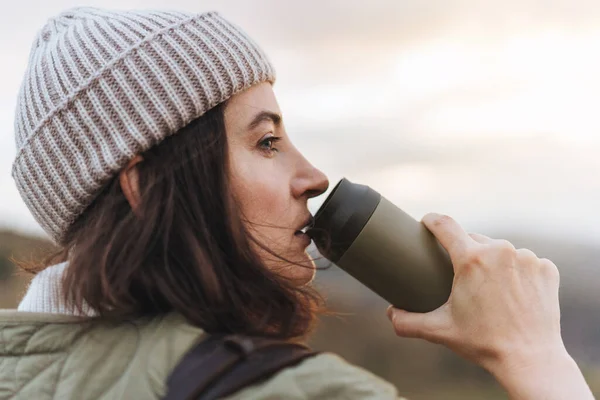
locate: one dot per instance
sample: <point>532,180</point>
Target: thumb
<point>433,326</point>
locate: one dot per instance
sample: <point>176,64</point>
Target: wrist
<point>551,374</point>
<point>515,364</point>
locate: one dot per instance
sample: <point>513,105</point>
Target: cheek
<point>260,191</point>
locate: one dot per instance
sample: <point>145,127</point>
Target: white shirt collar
<point>44,293</point>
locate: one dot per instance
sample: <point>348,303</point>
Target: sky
<point>483,110</point>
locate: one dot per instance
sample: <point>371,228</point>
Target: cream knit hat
<point>103,85</point>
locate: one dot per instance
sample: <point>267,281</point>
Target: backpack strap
<point>223,364</point>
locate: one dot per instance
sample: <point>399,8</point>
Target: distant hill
<point>362,334</point>
<point>20,247</point>
<point>23,248</point>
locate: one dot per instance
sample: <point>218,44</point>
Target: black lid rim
<point>342,216</point>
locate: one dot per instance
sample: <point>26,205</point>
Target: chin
<point>306,272</point>
<point>301,272</point>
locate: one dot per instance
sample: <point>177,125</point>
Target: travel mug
<point>383,247</point>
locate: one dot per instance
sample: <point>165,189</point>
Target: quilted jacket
<point>51,356</point>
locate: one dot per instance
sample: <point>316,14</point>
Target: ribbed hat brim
<point>111,85</point>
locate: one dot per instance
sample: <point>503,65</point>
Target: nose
<point>309,181</point>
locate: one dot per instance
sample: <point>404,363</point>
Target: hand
<point>504,301</point>
<point>503,312</point>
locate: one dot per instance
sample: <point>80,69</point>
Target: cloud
<point>432,101</point>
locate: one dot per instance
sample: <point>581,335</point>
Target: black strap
<point>221,365</point>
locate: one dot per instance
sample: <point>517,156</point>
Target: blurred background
<point>484,110</point>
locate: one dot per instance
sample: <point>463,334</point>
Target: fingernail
<point>430,215</point>
<point>390,313</point>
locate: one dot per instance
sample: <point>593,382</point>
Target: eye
<point>267,144</point>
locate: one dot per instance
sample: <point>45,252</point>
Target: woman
<point>152,149</point>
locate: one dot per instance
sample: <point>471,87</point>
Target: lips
<point>308,223</point>
<point>303,239</point>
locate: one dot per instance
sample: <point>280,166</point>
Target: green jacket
<point>53,356</point>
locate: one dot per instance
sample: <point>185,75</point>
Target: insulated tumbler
<point>383,247</point>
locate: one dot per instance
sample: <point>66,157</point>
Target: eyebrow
<point>265,116</point>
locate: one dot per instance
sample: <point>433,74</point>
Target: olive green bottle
<point>383,247</point>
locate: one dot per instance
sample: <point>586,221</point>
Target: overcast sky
<point>485,110</point>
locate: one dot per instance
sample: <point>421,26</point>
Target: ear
<point>129,180</point>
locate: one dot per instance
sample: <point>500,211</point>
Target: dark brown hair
<point>185,249</point>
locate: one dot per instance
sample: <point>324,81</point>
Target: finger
<point>527,256</point>
<point>550,269</point>
<point>449,233</point>
<point>479,238</point>
<point>430,326</point>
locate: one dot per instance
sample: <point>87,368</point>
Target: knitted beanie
<point>103,85</point>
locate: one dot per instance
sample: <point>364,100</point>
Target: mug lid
<point>341,218</point>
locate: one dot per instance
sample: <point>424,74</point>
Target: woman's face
<point>271,181</point>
